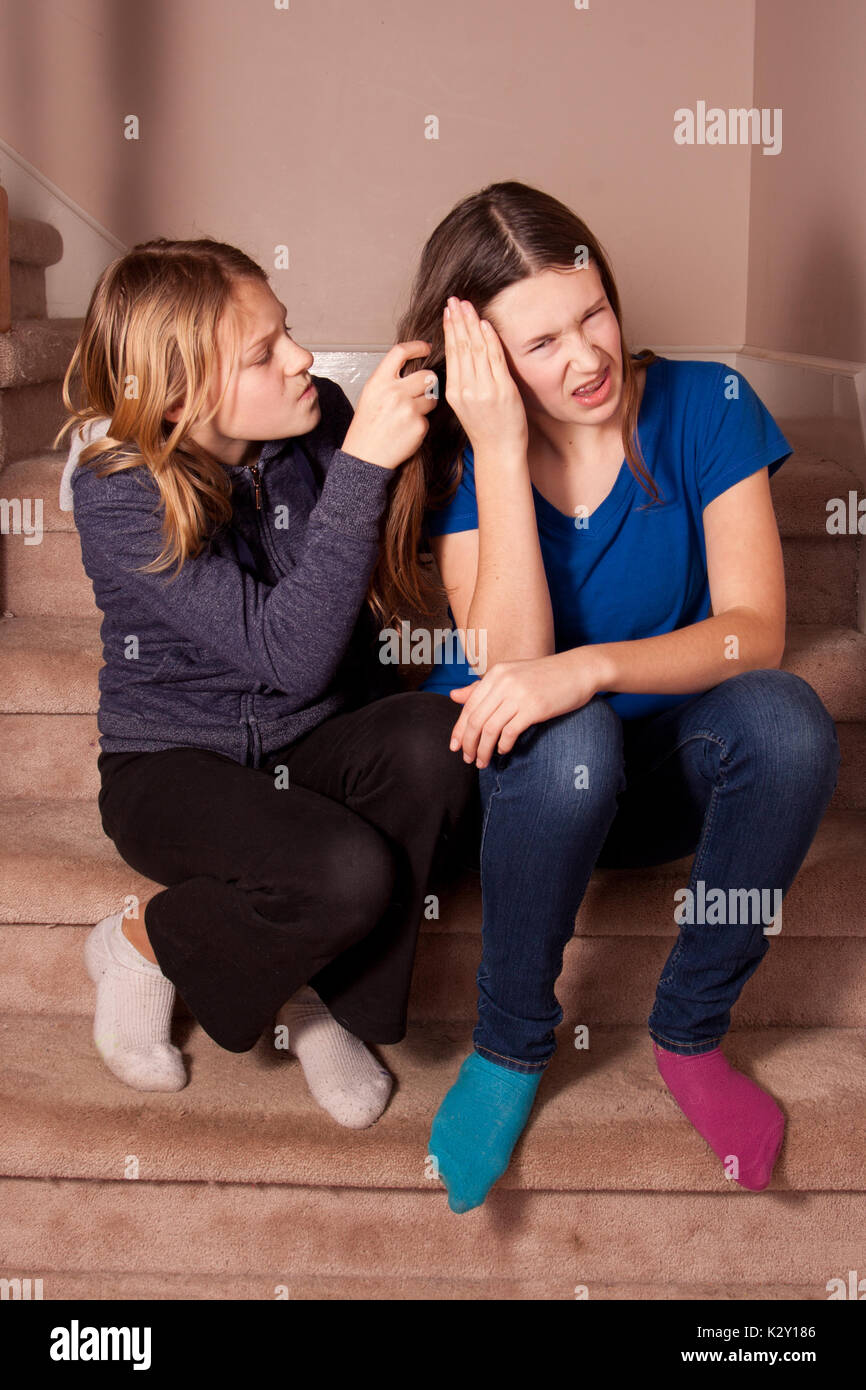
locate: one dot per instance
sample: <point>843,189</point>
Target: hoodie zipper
<point>254,469</point>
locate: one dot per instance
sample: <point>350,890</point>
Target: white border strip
<point>56,192</point>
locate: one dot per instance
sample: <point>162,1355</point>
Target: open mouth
<point>594,387</point>
<point>595,392</point>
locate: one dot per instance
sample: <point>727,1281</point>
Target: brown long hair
<point>149,339</point>
<point>488,241</point>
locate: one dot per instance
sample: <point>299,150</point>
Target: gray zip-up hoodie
<point>265,634</point>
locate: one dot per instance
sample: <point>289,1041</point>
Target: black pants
<point>323,881</point>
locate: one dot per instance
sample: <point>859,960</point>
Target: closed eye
<point>599,310</point>
<point>267,357</point>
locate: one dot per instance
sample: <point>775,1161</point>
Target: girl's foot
<point>477,1126</point>
<point>739,1121</point>
<point>134,1001</point>
<point>343,1077</point>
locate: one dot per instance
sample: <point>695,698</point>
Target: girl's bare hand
<point>479,387</point>
<point>389,424</point>
<point>516,694</point>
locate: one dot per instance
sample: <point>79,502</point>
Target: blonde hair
<point>150,341</point>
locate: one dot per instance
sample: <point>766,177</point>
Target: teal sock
<point>477,1125</point>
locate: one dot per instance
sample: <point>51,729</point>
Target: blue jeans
<point>740,775</point>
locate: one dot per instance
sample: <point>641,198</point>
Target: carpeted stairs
<point>239,1186</point>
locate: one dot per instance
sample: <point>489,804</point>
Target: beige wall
<point>307,127</point>
<point>807,246</point>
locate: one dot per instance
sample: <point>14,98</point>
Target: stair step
<point>38,350</point>
<point>49,695</point>
<point>58,866</point>
<point>800,489</point>
<point>609,1190</point>
<point>603,1121</point>
<point>34,242</point>
<point>50,664</point>
<point>33,245</point>
<point>28,297</point>
<point>58,752</point>
<point>821,570</point>
<point>817,438</point>
<point>833,661</point>
<point>109,1284</point>
<point>29,415</point>
<point>821,581</point>
<point>564,1240</point>
<point>48,577</point>
<point>34,356</point>
<point>609,974</point>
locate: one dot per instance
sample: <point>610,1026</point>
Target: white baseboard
<point>799,387</point>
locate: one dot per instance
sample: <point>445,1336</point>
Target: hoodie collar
<point>269,450</point>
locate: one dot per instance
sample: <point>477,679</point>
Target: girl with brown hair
<point>633,618</point>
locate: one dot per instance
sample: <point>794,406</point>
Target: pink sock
<point>732,1113</point>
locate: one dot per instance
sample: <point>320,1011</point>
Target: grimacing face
<point>559,332</point>
<point>264,398</point>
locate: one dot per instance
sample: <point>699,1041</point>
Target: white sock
<point>343,1076</point>
<point>134,1002</point>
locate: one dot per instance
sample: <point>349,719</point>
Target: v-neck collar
<point>598,522</point>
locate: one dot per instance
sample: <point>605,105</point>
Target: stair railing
<point>5,286</point>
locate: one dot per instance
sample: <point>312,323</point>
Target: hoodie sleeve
<point>291,635</point>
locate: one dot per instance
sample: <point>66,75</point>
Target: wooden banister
<point>5,287</point>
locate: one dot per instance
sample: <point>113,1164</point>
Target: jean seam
<point>496,790</point>
<point>705,831</point>
<point>707,1043</point>
<point>529,1066</point>
<point>689,738</point>
<point>700,853</point>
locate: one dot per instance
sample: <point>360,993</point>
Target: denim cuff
<point>511,1063</point>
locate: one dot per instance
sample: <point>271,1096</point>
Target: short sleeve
<point>461,513</point>
<point>740,436</point>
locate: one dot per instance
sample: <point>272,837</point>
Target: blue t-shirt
<point>624,573</point>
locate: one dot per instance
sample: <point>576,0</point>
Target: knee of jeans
<point>580,751</point>
<point>791,717</point>
<point>815,748</point>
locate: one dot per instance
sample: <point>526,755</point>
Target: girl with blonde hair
<point>256,759</point>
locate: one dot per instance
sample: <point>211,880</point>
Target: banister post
<point>5,287</point>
